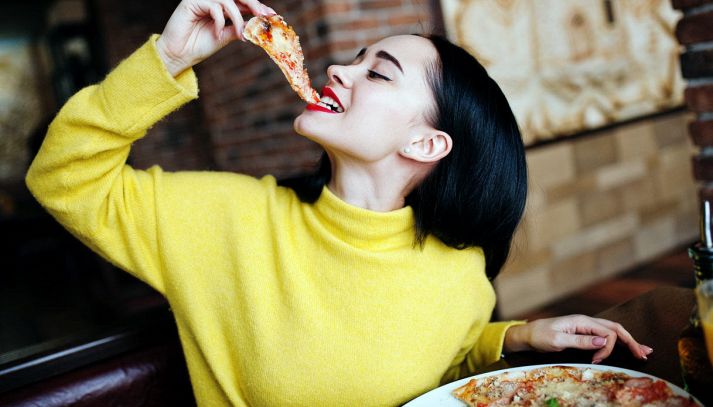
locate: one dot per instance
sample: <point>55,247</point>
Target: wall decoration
<point>572,65</point>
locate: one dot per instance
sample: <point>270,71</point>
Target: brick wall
<point>182,140</point>
<point>694,32</point>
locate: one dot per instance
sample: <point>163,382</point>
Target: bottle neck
<point>702,258</point>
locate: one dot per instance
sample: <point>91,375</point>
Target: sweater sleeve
<point>80,175</point>
<point>486,349</point>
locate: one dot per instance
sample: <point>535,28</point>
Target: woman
<point>367,284</point>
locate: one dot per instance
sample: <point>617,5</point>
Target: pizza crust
<point>282,44</point>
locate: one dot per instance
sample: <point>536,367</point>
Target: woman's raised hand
<point>197,29</point>
<point>573,331</point>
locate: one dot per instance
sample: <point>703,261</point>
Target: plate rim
<point>449,387</point>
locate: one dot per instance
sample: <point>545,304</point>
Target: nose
<point>339,74</point>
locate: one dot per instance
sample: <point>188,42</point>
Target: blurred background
<point>598,88</point>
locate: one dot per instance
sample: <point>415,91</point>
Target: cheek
<point>376,117</point>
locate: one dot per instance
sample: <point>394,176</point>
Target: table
<point>655,318</point>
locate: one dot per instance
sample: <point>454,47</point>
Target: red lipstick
<point>325,92</point>
<point>318,108</point>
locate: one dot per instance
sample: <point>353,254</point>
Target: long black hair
<point>475,196</point>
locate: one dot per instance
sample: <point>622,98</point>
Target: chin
<point>301,127</point>
<point>298,126</point>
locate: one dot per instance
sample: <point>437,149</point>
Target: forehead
<point>413,52</point>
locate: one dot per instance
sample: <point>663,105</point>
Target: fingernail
<point>270,11</point>
<point>648,350</point>
<point>599,341</point>
<point>596,361</point>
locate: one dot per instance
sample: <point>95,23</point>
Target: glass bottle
<point>696,369</point>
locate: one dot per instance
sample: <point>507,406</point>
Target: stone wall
<point>598,205</point>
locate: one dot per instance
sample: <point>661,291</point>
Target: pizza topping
<point>564,386</point>
<point>638,382</point>
<point>282,45</point>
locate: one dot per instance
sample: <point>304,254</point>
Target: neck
<point>381,186</point>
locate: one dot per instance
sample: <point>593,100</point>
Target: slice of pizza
<point>282,45</point>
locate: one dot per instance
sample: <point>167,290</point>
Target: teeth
<point>331,104</point>
<point>328,100</point>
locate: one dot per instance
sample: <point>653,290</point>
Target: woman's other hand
<point>573,331</point>
<point>197,29</point>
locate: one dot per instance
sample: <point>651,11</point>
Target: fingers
<point>256,8</point>
<point>216,13</point>
<point>590,334</point>
<point>583,332</point>
<point>637,349</point>
<point>234,13</point>
<point>577,341</point>
<point>235,8</point>
<point>598,329</point>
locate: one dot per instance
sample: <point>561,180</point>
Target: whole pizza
<point>560,386</point>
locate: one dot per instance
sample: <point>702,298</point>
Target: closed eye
<point>376,75</point>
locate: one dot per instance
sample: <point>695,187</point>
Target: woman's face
<point>383,98</point>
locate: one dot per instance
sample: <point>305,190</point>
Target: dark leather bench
<point>149,376</point>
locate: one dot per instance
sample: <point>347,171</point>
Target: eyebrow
<point>383,55</point>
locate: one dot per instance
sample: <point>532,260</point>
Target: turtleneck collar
<point>362,227</point>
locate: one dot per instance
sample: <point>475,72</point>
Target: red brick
<point>320,51</point>
<point>703,168</point>
<point>361,24</point>
<point>701,132</point>
<point>695,28</point>
<point>336,8</point>
<point>404,19</point>
<point>684,4</point>
<point>380,4</point>
<point>705,194</point>
<point>345,45</point>
<point>312,14</point>
<point>699,98</point>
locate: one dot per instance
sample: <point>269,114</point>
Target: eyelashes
<point>376,75</point>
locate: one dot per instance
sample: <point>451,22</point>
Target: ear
<point>429,147</point>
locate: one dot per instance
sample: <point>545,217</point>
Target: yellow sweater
<point>277,302</point>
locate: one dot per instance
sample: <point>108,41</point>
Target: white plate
<point>442,395</point>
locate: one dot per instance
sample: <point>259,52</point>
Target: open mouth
<point>329,102</point>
